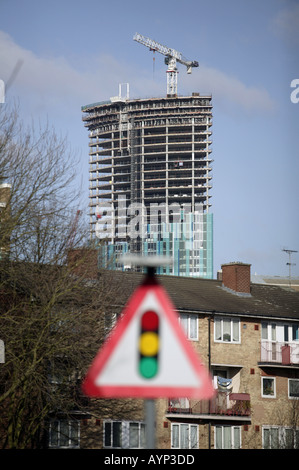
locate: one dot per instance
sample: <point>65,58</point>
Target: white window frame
<point>270,429</point>
<point>75,424</point>
<point>111,445</point>
<point>295,332</point>
<point>222,429</point>
<point>141,435</point>
<point>264,395</point>
<point>178,432</point>
<point>125,435</point>
<point>269,331</point>
<point>290,397</point>
<point>221,322</point>
<point>185,322</point>
<point>281,437</point>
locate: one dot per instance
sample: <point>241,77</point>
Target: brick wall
<point>236,276</point>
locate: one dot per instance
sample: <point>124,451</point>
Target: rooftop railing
<point>223,403</point>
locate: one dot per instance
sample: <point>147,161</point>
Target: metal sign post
<point>151,263</point>
<point>150,423</point>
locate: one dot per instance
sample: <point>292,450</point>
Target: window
<point>270,438</point>
<point>136,435</point>
<point>60,371</point>
<point>64,434</point>
<point>124,434</point>
<point>112,434</point>
<point>227,330</point>
<point>268,387</point>
<point>273,332</point>
<point>264,331</point>
<point>293,388</point>
<point>190,326</point>
<point>295,332</point>
<point>184,436</point>
<point>227,437</point>
<point>269,331</point>
<point>278,437</point>
<point>110,320</point>
<point>280,332</point>
<point>179,403</point>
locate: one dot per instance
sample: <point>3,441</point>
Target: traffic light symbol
<point>149,344</point>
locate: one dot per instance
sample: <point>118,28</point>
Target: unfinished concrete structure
<point>148,153</point>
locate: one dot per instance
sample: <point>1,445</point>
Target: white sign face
<point>122,365</point>
<point>116,369</point>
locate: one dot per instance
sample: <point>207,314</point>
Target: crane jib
<point>172,56</point>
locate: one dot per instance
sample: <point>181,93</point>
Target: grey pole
<point>150,423</point>
<point>150,262</point>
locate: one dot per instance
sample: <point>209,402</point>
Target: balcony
<point>280,354</point>
<point>224,405</point>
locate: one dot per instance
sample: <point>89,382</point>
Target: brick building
<point>247,335</point>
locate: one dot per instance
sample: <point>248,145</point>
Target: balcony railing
<point>223,403</point>
<point>280,352</point>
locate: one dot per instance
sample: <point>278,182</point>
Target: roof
<point>175,98</point>
<point>276,280</point>
<point>208,295</point>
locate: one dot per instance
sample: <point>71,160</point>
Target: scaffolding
<point>150,151</point>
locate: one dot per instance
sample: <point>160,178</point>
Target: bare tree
<point>42,172</point>
<point>52,309</point>
<point>287,430</point>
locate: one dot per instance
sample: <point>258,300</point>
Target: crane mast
<point>171,58</point>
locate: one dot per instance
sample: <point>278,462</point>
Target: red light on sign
<point>150,320</point>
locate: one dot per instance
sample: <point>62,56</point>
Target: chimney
<point>236,277</point>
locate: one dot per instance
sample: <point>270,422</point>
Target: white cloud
<point>287,21</point>
<point>286,24</point>
<point>48,82</point>
<point>229,92</point>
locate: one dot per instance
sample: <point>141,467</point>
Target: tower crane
<point>172,57</point>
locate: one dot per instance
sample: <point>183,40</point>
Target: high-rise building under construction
<point>150,179</point>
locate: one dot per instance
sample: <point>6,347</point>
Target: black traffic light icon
<point>149,344</point>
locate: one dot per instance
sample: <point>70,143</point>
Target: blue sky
<point>73,53</point>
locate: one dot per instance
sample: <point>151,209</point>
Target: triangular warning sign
<point>173,369</point>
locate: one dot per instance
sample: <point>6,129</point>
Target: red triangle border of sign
<point>146,391</point>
